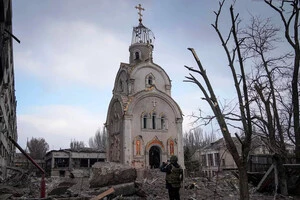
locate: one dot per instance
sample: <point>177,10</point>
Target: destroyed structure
<point>20,161</point>
<point>8,122</point>
<point>215,157</point>
<point>72,162</point>
<point>144,123</point>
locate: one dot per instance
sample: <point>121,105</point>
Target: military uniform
<point>174,177</point>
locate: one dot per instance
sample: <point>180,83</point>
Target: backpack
<point>175,177</point>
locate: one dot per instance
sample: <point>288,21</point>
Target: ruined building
<point>144,123</point>
<point>8,123</point>
<point>63,162</point>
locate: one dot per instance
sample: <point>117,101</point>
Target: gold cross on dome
<point>140,11</point>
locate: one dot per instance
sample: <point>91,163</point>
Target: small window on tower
<point>137,56</point>
<point>149,80</point>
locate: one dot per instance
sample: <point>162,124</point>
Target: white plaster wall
<point>127,140</point>
<point>132,127</point>
<point>146,105</point>
<point>161,81</point>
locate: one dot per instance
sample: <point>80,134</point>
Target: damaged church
<point>144,123</point>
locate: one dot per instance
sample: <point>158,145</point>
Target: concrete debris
<point>152,187</point>
<point>6,189</point>
<point>106,173</point>
<point>104,194</point>
<point>61,188</point>
<point>5,196</point>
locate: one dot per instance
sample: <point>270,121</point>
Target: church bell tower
<point>141,47</point>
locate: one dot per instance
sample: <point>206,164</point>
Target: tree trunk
<point>243,182</point>
<point>279,161</point>
<point>295,101</point>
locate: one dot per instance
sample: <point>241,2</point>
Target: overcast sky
<point>71,50</point>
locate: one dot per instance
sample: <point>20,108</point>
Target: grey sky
<point>70,52</point>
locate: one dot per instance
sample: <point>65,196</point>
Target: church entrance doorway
<point>154,157</point>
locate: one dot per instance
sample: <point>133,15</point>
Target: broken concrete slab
<point>106,174</point>
<point>61,189</point>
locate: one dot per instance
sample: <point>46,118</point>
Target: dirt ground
<point>224,187</point>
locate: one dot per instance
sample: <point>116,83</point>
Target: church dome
<point>142,34</point>
<point>142,42</point>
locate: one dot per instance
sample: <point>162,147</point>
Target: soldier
<point>174,177</point>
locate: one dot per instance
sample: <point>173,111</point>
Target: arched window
<point>154,120</point>
<point>163,122</point>
<point>145,121</point>
<point>121,85</point>
<point>150,80</point>
<point>136,55</point>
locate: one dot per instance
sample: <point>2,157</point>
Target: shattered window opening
<point>61,162</point>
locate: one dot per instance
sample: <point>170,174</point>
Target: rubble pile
<point>19,183</point>
<point>193,188</point>
<point>224,186</point>
<point>123,183</point>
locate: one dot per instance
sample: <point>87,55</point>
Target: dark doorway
<point>62,173</point>
<point>154,157</point>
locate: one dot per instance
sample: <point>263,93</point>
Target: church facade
<point>144,123</point>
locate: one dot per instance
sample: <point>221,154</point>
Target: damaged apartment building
<point>8,122</point>
<point>72,162</point>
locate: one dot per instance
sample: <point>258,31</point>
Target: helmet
<point>173,159</point>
